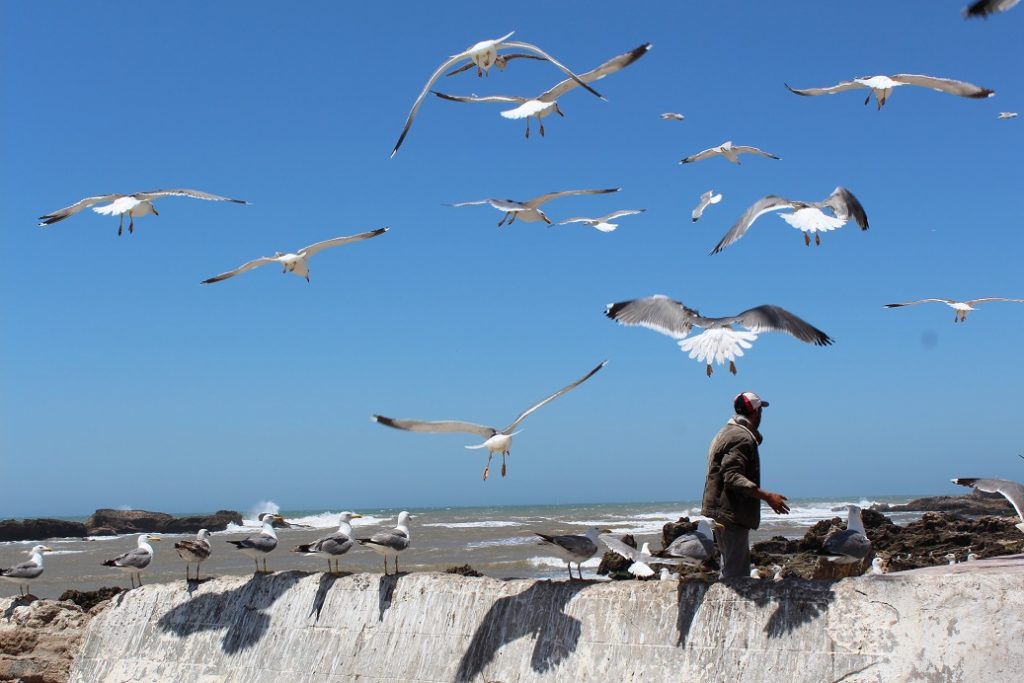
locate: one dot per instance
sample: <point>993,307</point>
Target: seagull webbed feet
<point>732,367</point>
<point>817,240</point>
<point>807,240</point>
<point>709,369</point>
<point>504,469</point>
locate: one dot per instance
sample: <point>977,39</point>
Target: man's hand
<point>776,501</point>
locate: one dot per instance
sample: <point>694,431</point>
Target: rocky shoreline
<point>108,522</point>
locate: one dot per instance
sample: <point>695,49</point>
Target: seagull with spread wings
<point>642,559</point>
<point>807,217</point>
<point>983,8</point>
<point>729,151</point>
<point>297,263</point>
<point>719,342</point>
<point>706,200</point>
<point>672,116</point>
<point>1010,490</point>
<point>604,223</point>
<point>134,205</point>
<point>962,308</point>
<point>483,54</point>
<point>529,211</point>
<point>547,102</point>
<point>497,441</point>
<point>881,87</point>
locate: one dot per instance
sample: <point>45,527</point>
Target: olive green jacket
<point>734,475</point>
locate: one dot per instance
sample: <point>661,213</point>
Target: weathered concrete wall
<point>962,623</point>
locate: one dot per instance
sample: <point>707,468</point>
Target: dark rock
<point>39,529</point>
<point>464,570</point>
<point>89,599</point>
<point>973,503</point>
<point>674,530</point>
<point>218,521</point>
<point>109,522</point>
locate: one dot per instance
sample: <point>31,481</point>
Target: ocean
<point>497,541</point>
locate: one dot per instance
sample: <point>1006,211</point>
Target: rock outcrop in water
<point>973,503</point>
<point>38,529</point>
<point>106,522</point>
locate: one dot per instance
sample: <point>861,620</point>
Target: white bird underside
<point>719,344</point>
<point>706,200</point>
<point>126,203</point>
<point>811,219</point>
<point>881,87</point>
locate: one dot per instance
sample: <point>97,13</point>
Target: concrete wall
<point>962,623</point>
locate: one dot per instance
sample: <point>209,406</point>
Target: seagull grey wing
<point>740,227</point>
<point>658,313</point>
<point>700,156</point>
<point>620,548</point>
<point>337,543</point>
<point>574,79</point>
<point>830,90</point>
<point>579,219</point>
<point>449,63</point>
<point>61,214</point>
<point>922,301</point>
<point>848,543</point>
<point>195,194</point>
<point>338,241</point>
<point>611,66</point>
<point>139,558</point>
<point>240,269</point>
<point>501,62</point>
<point>577,545</point>
<point>946,85</point>
<point>983,8</point>
<point>474,98</point>
<point>196,549</point>
<point>262,542</point>
<point>23,570</point>
<point>769,318</point>
<point>394,539</point>
<point>845,206</point>
<point>475,203</point>
<point>991,298</point>
<point>1011,490</point>
<point>436,427</point>
<point>620,214</point>
<point>747,149</point>
<point>552,397</point>
<point>693,547</point>
<point>537,201</point>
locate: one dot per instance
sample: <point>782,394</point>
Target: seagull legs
<point>709,370</point>
<point>120,225</point>
<point>131,223</point>
<point>732,367</point>
<point>505,218</point>
<point>540,122</point>
<point>265,566</point>
<point>487,467</point>
<point>817,240</point>
<point>503,468</point>
<point>807,240</point>
<point>527,126</point>
<point>396,565</point>
<point>257,562</point>
<point>569,565</point>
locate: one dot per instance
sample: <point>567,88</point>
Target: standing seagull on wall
<point>484,54</point>
<point>134,205</point>
<point>529,211</point>
<point>197,551</point>
<point>719,342</point>
<point>881,87</point>
<point>390,543</point>
<point>962,308</point>
<point>496,441</point>
<point>728,150</point>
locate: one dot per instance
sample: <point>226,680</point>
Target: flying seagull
<point>807,217</point>
<point>547,102</point>
<point>1005,115</point>
<point>672,116</point>
<point>196,551</point>
<point>983,8</point>
<point>24,572</point>
<point>500,61</point>
<point>1011,490</point>
<point>496,441</point>
<point>850,545</point>
<point>881,87</point>
<point>962,308</point>
<point>529,211</point>
<point>135,205</point>
<point>696,547</point>
<point>642,559</point>
<point>718,342</point>
<point>573,547</point>
<point>706,199</point>
<point>134,561</point>
<point>727,150</point>
<point>261,543</point>
<point>390,543</point>
<point>604,223</point>
<point>297,263</point>
<point>333,546</point>
<point>483,55</point>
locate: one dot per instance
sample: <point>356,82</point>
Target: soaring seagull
<point>1011,490</point>
<point>547,102</point>
<point>500,61</point>
<point>672,116</point>
<point>983,8</point>
<point>135,205</point>
<point>134,561</point>
<point>333,546</point>
<point>881,87</point>
<point>496,441</point>
<point>390,543</point>
<point>196,551</point>
<point>1006,115</point>
<point>706,199</point>
<point>962,308</point>
<point>727,150</point>
<point>24,572</point>
<point>604,223</point>
<point>718,342</point>
<point>573,547</point>
<point>529,211</point>
<point>807,217</point>
<point>849,545</point>
<point>297,263</point>
<point>261,543</point>
<point>483,55</point>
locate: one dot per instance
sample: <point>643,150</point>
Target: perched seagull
<point>261,543</point>
<point>547,102</point>
<point>390,543</point>
<point>1004,115</point>
<point>706,199</point>
<point>729,151</point>
<point>604,223</point>
<point>496,441</point>
<point>695,547</point>
<point>719,341</point>
<point>574,548</point>
<point>296,263</point>
<point>1011,490</point>
<point>781,572</point>
<point>134,561</point>
<point>950,558</point>
<point>194,551</point>
<point>529,211</point>
<point>24,572</point>
<point>983,8</point>
<point>642,559</point>
<point>135,205</point>
<point>876,567</point>
<point>807,217</point>
<point>850,545</point>
<point>881,87</point>
<point>672,116</point>
<point>962,308</point>
<point>333,546</point>
<point>755,573</point>
<point>972,557</point>
<point>483,55</point>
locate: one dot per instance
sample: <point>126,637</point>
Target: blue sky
<point>125,382</point>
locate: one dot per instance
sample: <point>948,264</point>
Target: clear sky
<point>125,382</point>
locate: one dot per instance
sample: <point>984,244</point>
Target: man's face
<point>755,418</point>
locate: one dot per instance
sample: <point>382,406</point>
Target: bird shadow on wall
<point>240,611</point>
<point>797,602</point>
<point>323,588</point>
<point>535,612</point>
<point>385,589</point>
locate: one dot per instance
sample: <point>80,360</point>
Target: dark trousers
<point>734,544</point>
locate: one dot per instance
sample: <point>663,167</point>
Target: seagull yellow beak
<point>154,538</point>
<point>46,549</point>
<point>356,515</point>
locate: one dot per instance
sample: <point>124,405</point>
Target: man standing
<point>732,492</point>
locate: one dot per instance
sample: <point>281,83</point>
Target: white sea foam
<point>593,562</point>
<point>260,507</point>
<point>474,525</point>
<point>511,540</point>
